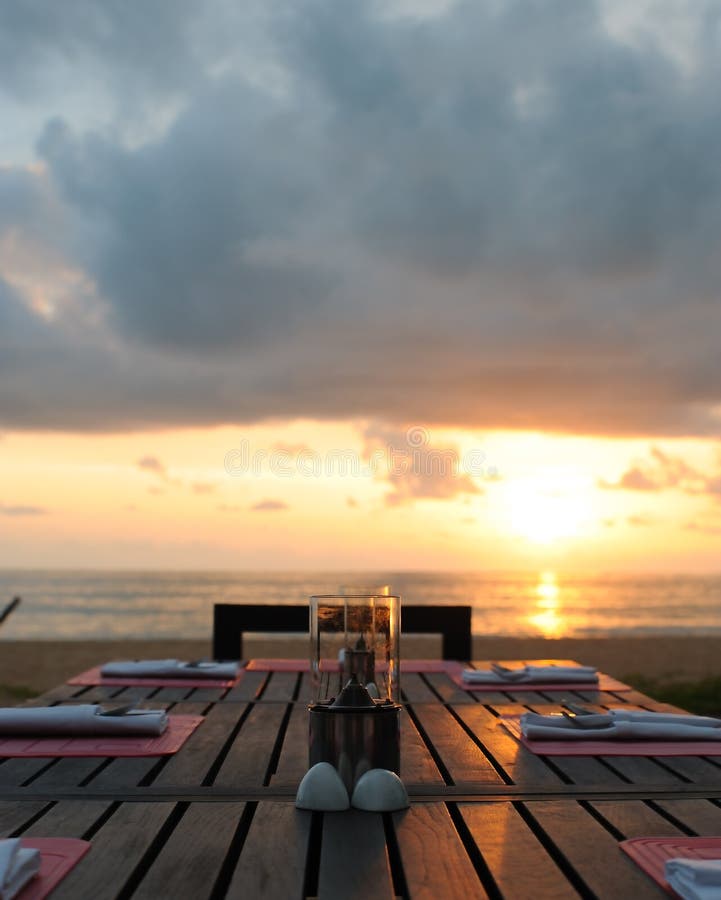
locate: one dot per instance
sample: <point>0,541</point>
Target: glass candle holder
<point>355,634</point>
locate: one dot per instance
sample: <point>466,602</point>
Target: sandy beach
<point>28,668</point>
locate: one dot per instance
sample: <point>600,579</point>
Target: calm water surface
<point>85,605</point>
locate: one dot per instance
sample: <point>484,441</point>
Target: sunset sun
<point>545,513</point>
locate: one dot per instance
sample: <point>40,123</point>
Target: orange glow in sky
<point>311,495</point>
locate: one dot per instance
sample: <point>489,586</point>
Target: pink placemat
<point>178,731</point>
<point>57,857</point>
<point>604,683</point>
<point>332,665</point>
<point>285,665</point>
<point>93,677</point>
<point>650,853</point>
<point>612,748</point>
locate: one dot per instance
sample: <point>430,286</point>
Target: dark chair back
<point>232,620</point>
<point>12,605</point>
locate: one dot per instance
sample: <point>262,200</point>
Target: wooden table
<point>487,817</point>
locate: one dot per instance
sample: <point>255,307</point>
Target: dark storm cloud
<point>496,216</point>
<point>178,217</point>
<point>148,42</point>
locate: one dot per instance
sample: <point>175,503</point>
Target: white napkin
<point>169,668</point>
<point>17,866</point>
<point>79,721</point>
<point>533,674</point>
<point>695,879</point>
<point>621,725</point>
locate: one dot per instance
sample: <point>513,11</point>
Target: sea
<point>103,605</point>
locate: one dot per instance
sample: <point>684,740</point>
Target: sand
<point>28,668</point>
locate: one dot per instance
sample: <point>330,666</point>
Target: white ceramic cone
<point>380,791</point>
<point>322,789</point>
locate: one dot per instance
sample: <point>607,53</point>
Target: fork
<point>582,721</point>
<point>116,710</point>
<point>579,710</point>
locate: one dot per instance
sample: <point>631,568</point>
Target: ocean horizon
<point>133,604</point>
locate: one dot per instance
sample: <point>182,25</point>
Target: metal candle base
<point>354,742</point>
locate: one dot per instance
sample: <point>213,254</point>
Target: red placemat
<point>286,665</point>
<point>604,683</point>
<point>650,853</point>
<point>57,857</point>
<point>94,677</point>
<point>178,731</point>
<point>332,665</point>
<point>612,748</point>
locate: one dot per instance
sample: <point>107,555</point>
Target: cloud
<point>489,216</point>
<point>639,521</point>
<point>153,465</point>
<point>703,528</point>
<point>634,479</point>
<point>203,488</point>
<point>20,510</point>
<point>663,472</point>
<point>269,506</point>
<point>416,470</point>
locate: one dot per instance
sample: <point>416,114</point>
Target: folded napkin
<point>169,668</point>
<point>80,720</point>
<point>532,674</point>
<point>621,725</point>
<point>695,879</point>
<point>17,866</point>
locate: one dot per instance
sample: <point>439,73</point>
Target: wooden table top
<point>488,818</point>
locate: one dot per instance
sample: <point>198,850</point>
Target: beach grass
<point>15,693</point>
<point>701,696</point>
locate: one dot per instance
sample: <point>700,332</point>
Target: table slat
<point>293,761</point>
<point>521,766</point>
<point>69,819</point>
<point>417,764</point>
<point>248,688</point>
<point>190,861</point>
<point>518,863</point>
<point>258,872</point>
<point>463,759</point>
<point>435,863</point>
<point>447,689</point>
<point>15,771</point>
<point>634,818</point>
<point>592,851</point>
<point>117,848</point>
<point>701,816</point>
<point>14,814</point>
<point>354,861</point>
<point>281,687</point>
<point>195,758</point>
<point>249,755</point>
<point>415,689</point>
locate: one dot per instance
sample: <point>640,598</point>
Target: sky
<point>399,285</point>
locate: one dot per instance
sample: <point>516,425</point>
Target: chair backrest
<point>232,620</point>
<point>13,604</point>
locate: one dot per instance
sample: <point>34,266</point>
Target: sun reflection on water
<point>547,616</point>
